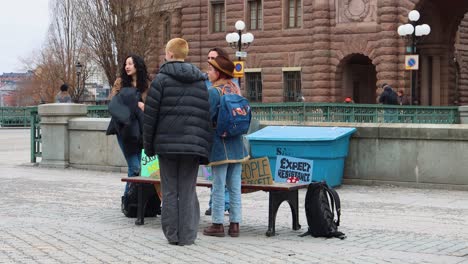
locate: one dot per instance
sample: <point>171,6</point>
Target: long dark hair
<point>141,72</point>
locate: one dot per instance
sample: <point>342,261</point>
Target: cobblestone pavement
<point>73,216</point>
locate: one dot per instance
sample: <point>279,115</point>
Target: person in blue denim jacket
<point>212,54</point>
<point>226,154</point>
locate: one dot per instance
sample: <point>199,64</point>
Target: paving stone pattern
<point>73,216</point>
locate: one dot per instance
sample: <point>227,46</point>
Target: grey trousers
<point>180,214</point>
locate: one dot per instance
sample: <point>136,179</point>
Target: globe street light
<point>239,41</point>
<point>412,32</point>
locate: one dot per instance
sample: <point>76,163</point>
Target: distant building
<point>15,76</point>
<point>96,87</point>
<point>9,87</point>
<point>8,94</point>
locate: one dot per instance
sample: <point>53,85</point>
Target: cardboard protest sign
<point>256,171</point>
<point>150,168</point>
<point>292,170</point>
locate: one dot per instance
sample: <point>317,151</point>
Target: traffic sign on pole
<point>238,69</point>
<point>412,62</point>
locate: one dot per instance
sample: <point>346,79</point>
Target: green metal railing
<point>98,111</point>
<point>295,112</point>
<point>360,113</point>
<point>15,116</point>
<point>36,139</point>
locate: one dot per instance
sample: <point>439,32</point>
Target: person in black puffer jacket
<point>389,97</point>
<point>177,128</point>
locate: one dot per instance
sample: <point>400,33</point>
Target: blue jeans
<point>226,199</point>
<point>133,163</point>
<point>227,176</point>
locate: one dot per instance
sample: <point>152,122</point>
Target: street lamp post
<point>237,40</point>
<point>78,68</point>
<point>412,32</point>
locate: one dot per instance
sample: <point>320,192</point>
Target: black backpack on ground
<point>321,203</point>
<point>151,206</point>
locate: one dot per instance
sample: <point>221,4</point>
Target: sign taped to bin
<point>293,170</point>
<point>150,168</point>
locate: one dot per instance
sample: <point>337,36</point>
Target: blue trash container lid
<point>299,133</point>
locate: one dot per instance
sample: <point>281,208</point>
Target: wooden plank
<point>206,183</point>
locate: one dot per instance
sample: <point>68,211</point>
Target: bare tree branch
<point>116,28</point>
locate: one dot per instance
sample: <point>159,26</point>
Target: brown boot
<point>216,230</point>
<point>233,229</point>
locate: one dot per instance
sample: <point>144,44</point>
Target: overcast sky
<point>23,28</point>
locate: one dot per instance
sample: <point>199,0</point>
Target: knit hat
<point>223,65</point>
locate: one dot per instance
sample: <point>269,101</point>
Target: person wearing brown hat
<point>226,154</point>
<point>212,54</point>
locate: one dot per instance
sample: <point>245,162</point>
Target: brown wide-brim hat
<point>223,65</point>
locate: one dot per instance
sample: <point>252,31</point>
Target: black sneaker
<point>208,211</point>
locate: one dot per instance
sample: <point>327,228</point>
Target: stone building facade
<point>326,50</point>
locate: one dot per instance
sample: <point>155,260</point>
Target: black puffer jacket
<point>127,119</point>
<point>388,96</point>
<point>177,117</point>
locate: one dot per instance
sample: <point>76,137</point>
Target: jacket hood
<point>182,71</point>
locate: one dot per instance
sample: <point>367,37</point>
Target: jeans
<point>226,176</point>
<point>226,199</point>
<point>133,163</point>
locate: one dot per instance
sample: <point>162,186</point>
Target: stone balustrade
<point>429,155</point>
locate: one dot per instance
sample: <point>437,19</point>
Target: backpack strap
<point>337,204</point>
<point>222,91</point>
<point>335,201</point>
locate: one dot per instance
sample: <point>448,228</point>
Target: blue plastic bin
<point>326,146</point>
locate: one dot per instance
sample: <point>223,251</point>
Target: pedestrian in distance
<point>402,98</point>
<point>126,107</point>
<point>212,54</point>
<point>389,97</point>
<point>226,155</point>
<point>63,96</point>
<point>349,100</point>
<point>177,128</point>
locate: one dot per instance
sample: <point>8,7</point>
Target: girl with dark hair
<point>133,74</point>
<point>126,107</point>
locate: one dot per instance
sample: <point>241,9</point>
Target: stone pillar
<point>425,75</point>
<point>463,110</point>
<point>318,77</point>
<point>54,131</point>
<point>386,51</point>
<point>436,80</point>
